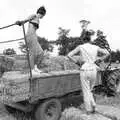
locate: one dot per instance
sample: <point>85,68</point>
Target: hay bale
<point>73,113</point>
<point>110,111</point>
<point>59,63</point>
<point>6,63</point>
<point>20,63</point>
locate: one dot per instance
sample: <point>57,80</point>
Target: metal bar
<point>8,26</point>
<point>28,57</point>
<point>11,40</point>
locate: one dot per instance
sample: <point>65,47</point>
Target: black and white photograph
<point>59,60</point>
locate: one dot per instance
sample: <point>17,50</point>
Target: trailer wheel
<point>48,110</point>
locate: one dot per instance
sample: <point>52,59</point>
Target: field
<point>73,112</point>
<point>73,107</point>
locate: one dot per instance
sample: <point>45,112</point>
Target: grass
<point>112,101</point>
<point>74,113</point>
<point>71,112</point>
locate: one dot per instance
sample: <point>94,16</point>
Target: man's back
<point>89,52</point>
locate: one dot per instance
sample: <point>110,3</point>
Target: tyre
<point>48,110</point>
<point>113,80</point>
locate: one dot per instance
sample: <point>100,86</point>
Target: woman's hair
<point>41,10</point>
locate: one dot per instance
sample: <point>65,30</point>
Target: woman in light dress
<point>35,51</point>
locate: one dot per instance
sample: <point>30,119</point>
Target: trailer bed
<point>15,85</point>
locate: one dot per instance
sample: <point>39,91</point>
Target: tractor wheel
<point>113,81</point>
<point>48,110</point>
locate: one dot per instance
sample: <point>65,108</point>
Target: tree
<point>9,51</point>
<point>63,41</point>
<point>101,40</point>
<point>45,44</point>
<point>42,41</point>
<point>74,42</point>
<point>115,56</point>
<point>66,44</point>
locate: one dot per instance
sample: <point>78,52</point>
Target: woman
<point>35,50</point>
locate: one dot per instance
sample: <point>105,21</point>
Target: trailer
<point>40,94</point>
<point>43,95</point>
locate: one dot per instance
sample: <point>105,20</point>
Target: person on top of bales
<point>36,52</point>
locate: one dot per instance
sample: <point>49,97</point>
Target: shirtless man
<point>88,72</point>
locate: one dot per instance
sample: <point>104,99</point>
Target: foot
<point>36,68</point>
<point>36,71</point>
<point>92,111</point>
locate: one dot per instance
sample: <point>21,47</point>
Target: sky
<point>103,14</point>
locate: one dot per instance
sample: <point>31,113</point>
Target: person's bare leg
<point>33,66</point>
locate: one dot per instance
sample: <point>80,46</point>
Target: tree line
<point>67,43</point>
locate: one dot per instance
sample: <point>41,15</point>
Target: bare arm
<point>26,20</point>
<point>72,53</point>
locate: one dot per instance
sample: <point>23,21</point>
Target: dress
<point>35,50</point>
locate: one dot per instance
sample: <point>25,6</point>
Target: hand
<point>97,62</point>
<point>19,23</point>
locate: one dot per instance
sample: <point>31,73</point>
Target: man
<point>88,72</point>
